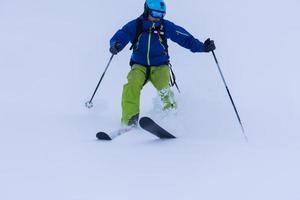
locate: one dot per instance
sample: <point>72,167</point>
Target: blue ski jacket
<point>149,49</point>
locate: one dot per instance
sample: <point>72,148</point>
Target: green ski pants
<point>159,76</point>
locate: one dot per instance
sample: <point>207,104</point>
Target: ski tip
<point>170,136</point>
<point>149,125</point>
<point>103,136</point>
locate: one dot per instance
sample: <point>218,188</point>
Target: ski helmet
<point>155,6</point>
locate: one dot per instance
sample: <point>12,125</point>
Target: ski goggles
<point>157,14</point>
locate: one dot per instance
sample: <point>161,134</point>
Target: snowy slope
<point>52,54</point>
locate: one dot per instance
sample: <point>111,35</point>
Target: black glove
<point>115,49</point>
<point>209,45</point>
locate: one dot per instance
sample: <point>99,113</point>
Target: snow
<point>52,55</point>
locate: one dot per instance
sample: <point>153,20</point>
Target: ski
<point>114,134</point>
<point>149,125</point>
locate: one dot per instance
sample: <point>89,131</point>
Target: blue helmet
<point>156,5</point>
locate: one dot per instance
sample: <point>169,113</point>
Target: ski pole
<point>89,104</point>
<point>228,92</point>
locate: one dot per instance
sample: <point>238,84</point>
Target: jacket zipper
<point>149,44</point>
<point>181,33</point>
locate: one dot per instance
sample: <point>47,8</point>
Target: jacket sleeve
<point>124,35</point>
<point>182,37</point>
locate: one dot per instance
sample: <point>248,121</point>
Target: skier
<point>150,58</point>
